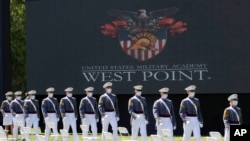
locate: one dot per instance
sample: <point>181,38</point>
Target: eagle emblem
<point>143,35</point>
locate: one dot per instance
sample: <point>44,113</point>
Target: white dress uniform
<point>108,107</point>
<point>232,115</point>
<point>191,116</point>
<point>5,109</point>
<point>137,108</point>
<point>16,108</point>
<point>69,113</point>
<point>32,114</point>
<point>89,112</point>
<point>163,111</point>
<point>50,110</point>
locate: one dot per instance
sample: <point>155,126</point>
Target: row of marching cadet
<point>27,111</point>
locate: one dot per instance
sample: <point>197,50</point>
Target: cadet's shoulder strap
<point>19,105</point>
<point>52,103</point>
<point>195,107</point>
<point>237,115</point>
<point>166,106</point>
<point>139,102</point>
<point>110,100</point>
<point>70,103</point>
<point>90,104</point>
<point>33,105</point>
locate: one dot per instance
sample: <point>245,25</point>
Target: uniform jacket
<point>104,104</point>
<point>230,117</point>
<point>16,107</point>
<point>5,107</point>
<point>135,107</point>
<point>66,107</point>
<point>47,106</point>
<point>30,109</point>
<point>86,108</point>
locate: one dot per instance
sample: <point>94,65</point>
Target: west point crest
<point>143,35</point>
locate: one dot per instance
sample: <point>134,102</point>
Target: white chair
<point>51,125</point>
<point>41,138</point>
<point>108,135</point>
<point>167,133</point>
<point>156,137</point>
<point>211,139</point>
<point>85,128</point>
<point>3,130</point>
<point>64,134</point>
<point>3,137</point>
<point>216,135</point>
<point>123,131</point>
<point>26,131</point>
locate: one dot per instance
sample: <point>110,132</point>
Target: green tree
<point>18,46</point>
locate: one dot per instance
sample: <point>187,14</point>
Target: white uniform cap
<point>232,96</point>
<point>138,87</point>
<point>69,89</point>
<point>18,93</point>
<point>191,87</point>
<point>31,92</point>
<point>164,90</point>
<point>107,84</point>
<point>50,89</point>
<point>9,93</point>
<point>89,89</point>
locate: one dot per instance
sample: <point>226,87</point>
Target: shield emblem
<point>143,45</point>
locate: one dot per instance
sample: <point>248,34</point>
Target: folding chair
<point>3,130</point>
<point>166,133</point>
<point>108,135</point>
<point>211,139</point>
<point>64,134</point>
<point>216,134</point>
<point>41,138</point>
<point>26,131</point>
<point>123,131</point>
<point>3,137</point>
<point>51,125</point>
<point>156,137</point>
<point>86,128</point>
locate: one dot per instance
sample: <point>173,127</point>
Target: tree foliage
<point>18,47</point>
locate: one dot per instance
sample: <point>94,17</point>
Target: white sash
<point>140,102</point>
<point>19,105</point>
<point>195,107</point>
<point>70,103</point>
<point>237,115</point>
<point>90,104</point>
<point>33,105</point>
<point>165,106</point>
<point>110,100</point>
<point>52,104</point>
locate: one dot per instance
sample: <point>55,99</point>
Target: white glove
<point>146,121</point>
<point>117,118</point>
<point>46,118</point>
<point>58,119</point>
<point>97,120</point>
<point>174,127</point>
<point>5,115</point>
<point>201,125</point>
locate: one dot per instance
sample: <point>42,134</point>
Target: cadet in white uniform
<point>190,114</point>
<point>69,113</point>
<point>32,112</point>
<point>5,109</point>
<point>108,107</point>
<point>232,115</point>
<point>89,112</point>
<point>137,108</point>
<point>50,110</point>
<point>163,111</point>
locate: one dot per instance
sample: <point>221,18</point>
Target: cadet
<point>50,110</point>
<point>89,112</point>
<point>137,108</point>
<point>163,111</point>
<point>69,113</point>
<point>5,109</point>
<point>16,108</point>
<point>232,115</point>
<point>190,114</point>
<point>31,109</point>
<point>108,107</point>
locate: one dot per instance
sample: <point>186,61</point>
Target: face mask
<point>9,98</point>
<point>109,91</point>
<point>191,94</point>
<point>18,97</point>
<point>89,94</point>
<point>138,93</point>
<point>69,94</point>
<point>164,96</point>
<point>234,103</point>
<point>32,97</point>
<point>50,95</point>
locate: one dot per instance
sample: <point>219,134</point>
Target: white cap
<point>18,93</point>
<point>107,84</point>
<point>50,89</point>
<point>232,96</point>
<point>191,87</point>
<point>9,93</point>
<point>164,90</point>
<point>138,87</point>
<point>89,89</point>
<point>69,89</point>
<point>31,92</point>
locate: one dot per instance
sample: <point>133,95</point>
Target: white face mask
<point>191,94</point>
<point>109,91</point>
<point>89,94</point>
<point>69,94</point>
<point>18,97</point>
<point>138,93</point>
<point>235,103</point>
<point>50,95</point>
<point>32,97</point>
<point>9,98</point>
<point>164,96</point>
